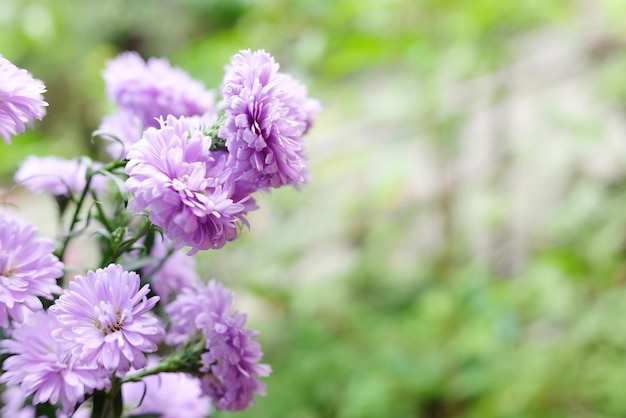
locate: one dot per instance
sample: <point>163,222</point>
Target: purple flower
<point>144,91</point>
<point>122,129</point>
<point>172,395</point>
<point>42,367</point>
<point>57,175</point>
<point>28,269</point>
<point>230,366</point>
<point>176,272</point>
<point>300,107</point>
<point>21,99</point>
<point>105,319</point>
<point>13,403</point>
<point>267,113</point>
<point>187,188</point>
<point>183,311</point>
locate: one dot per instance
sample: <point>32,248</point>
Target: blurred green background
<point>460,250</point>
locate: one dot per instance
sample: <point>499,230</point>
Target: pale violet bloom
<point>186,188</point>
<point>14,405</point>
<point>28,269</point>
<point>105,319</point>
<point>231,364</point>
<point>21,99</point>
<point>144,91</point>
<point>42,367</point>
<point>267,112</point>
<point>58,176</point>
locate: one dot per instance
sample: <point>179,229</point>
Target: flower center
<point>108,319</point>
<point>7,267</point>
<point>8,273</point>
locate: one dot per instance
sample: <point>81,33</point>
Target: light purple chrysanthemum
<point>105,319</point>
<point>121,130</point>
<point>176,272</point>
<point>183,311</point>
<point>58,176</point>
<point>294,95</point>
<point>145,90</point>
<point>42,366</point>
<point>21,99</point>
<point>231,363</point>
<point>267,112</point>
<point>13,403</point>
<point>28,269</point>
<point>171,395</point>
<point>187,188</point>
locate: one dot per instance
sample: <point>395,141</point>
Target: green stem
<point>116,398</point>
<point>109,404</point>
<point>75,217</point>
<point>148,278</point>
<point>186,360</point>
<point>126,246</point>
<point>160,368</point>
<point>102,216</point>
<point>98,404</point>
<point>113,165</point>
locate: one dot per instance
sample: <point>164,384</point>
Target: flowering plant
<point>141,334</point>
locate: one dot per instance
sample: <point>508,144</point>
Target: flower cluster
<point>186,187</point>
<point>42,366</point>
<point>230,362</point>
<point>144,91</point>
<point>267,112</point>
<point>141,333</point>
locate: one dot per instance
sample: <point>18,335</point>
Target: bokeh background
<point>460,250</point>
